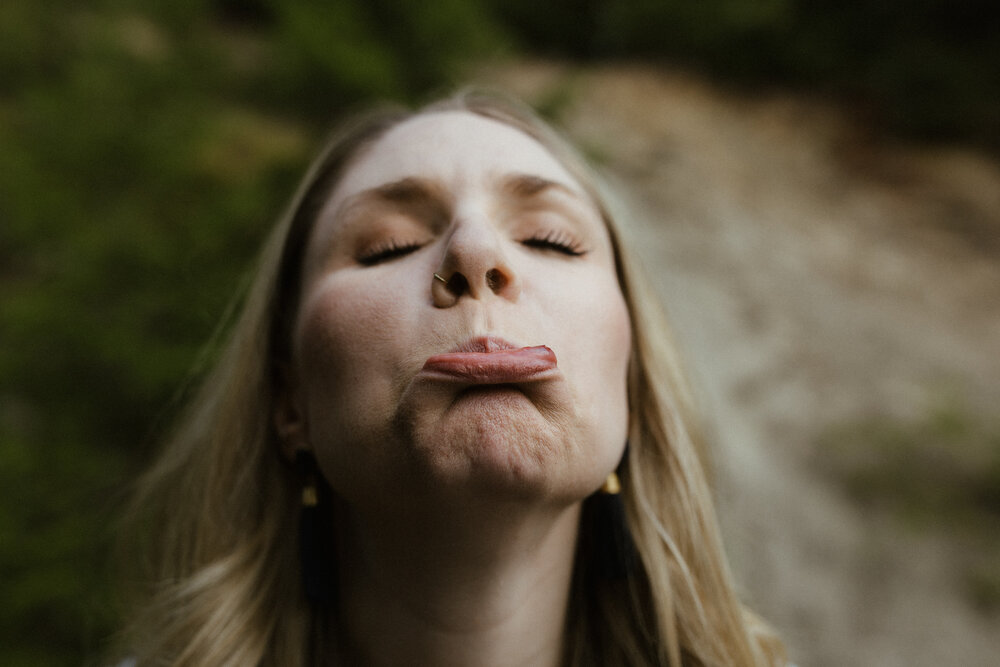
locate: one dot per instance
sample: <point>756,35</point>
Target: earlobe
<point>287,414</point>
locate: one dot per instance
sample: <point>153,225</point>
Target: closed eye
<point>557,241</point>
<point>386,252</point>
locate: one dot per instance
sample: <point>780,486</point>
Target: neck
<point>466,588</point>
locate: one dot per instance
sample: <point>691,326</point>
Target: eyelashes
<point>384,252</point>
<point>555,241</point>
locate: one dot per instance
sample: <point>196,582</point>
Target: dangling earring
<point>616,554</point>
<point>315,548</point>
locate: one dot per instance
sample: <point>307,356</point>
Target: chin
<point>498,445</point>
<point>504,442</point>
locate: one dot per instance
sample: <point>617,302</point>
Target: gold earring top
<point>438,277</point>
<point>611,485</point>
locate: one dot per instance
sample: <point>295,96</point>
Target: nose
<point>474,266</point>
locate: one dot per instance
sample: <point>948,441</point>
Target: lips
<point>491,360</point>
<point>488,344</point>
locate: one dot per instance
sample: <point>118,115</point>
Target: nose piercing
<point>438,277</point>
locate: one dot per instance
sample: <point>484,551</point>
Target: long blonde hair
<point>215,519</point>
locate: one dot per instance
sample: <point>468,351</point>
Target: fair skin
<point>458,494</point>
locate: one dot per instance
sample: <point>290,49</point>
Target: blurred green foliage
<point>145,147</point>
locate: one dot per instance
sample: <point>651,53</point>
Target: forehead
<point>456,148</point>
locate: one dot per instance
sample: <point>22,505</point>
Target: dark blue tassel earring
<point>616,553</point>
<point>315,546</point>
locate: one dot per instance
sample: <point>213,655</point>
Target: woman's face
<point>405,383</point>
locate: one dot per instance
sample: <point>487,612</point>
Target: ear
<point>288,413</point>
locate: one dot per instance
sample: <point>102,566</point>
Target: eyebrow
<point>413,191</point>
<point>410,191</point>
<point>525,186</point>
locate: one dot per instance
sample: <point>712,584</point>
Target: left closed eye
<point>556,241</point>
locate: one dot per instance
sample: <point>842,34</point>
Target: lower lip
<point>499,367</point>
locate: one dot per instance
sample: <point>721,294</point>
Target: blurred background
<point>817,198</point>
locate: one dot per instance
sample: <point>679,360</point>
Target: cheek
<point>608,347</point>
<point>610,380</point>
<point>596,336</point>
<point>325,345</point>
<point>346,342</point>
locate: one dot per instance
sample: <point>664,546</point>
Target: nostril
<point>495,279</point>
<point>458,284</point>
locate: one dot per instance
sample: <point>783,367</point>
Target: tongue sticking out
<point>493,366</point>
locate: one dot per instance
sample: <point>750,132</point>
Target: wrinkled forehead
<point>459,149</point>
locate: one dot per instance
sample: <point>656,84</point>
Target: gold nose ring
<point>438,277</point>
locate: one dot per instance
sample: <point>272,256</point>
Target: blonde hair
<point>217,514</point>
